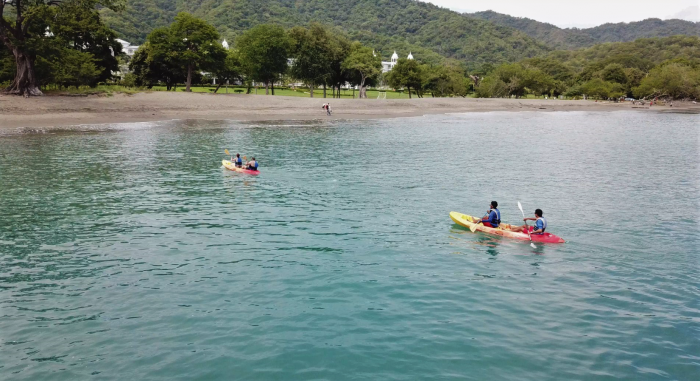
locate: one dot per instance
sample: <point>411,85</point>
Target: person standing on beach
<point>328,109</point>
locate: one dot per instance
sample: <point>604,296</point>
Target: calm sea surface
<point>128,253</point>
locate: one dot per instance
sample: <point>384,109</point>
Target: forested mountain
<point>573,38</point>
<point>430,32</point>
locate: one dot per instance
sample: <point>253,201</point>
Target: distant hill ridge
<point>432,33</point>
<point>574,38</point>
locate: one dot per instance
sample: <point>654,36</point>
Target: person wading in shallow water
<point>540,224</point>
<point>493,216</point>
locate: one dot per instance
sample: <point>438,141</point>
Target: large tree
<point>78,26</point>
<point>264,51</point>
<point>177,53</point>
<point>311,55</point>
<point>25,27</point>
<point>152,65</point>
<point>406,73</point>
<point>196,44</point>
<point>229,70</point>
<point>365,64</point>
<point>444,81</point>
<point>339,46</point>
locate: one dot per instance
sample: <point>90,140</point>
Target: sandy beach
<point>57,111</point>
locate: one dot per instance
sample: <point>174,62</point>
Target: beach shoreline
<point>61,111</point>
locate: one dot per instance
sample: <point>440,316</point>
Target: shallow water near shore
<point>127,252</point>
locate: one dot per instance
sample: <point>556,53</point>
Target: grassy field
<point>285,92</point>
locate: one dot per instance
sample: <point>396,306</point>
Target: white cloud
<point>584,12</point>
<point>690,14</point>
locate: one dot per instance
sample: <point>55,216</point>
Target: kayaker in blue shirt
<point>540,224</point>
<point>493,216</point>
<point>238,162</point>
<point>252,165</point>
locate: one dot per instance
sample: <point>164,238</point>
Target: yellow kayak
<point>467,221</point>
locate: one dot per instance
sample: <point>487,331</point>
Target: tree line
<point>316,55</point>
<point>65,43</point>
<point>646,68</point>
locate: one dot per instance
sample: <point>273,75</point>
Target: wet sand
<point>57,111</point>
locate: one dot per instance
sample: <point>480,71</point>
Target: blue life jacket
<point>255,167</point>
<point>544,224</point>
<point>238,160</point>
<point>497,221</point>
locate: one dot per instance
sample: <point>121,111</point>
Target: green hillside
<point>573,38</point>
<point>667,67</point>
<point>430,32</point>
<point>643,53</point>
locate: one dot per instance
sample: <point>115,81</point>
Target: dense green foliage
<point>264,51</point>
<point>363,66</point>
<point>58,42</point>
<point>430,32</point>
<point>229,70</point>
<point>665,67</point>
<point>573,38</point>
<point>195,44</point>
<point>409,74</point>
<point>313,52</point>
<point>179,52</point>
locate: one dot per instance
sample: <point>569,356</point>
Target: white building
<point>388,65</point>
<point>127,48</point>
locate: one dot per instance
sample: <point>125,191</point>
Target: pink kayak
<point>232,167</point>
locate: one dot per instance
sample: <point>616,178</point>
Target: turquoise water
<point>127,252</point>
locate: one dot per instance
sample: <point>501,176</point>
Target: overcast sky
<point>583,13</point>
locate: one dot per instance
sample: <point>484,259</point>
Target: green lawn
<point>287,92</point>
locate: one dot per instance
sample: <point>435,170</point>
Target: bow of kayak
<point>503,230</point>
<point>232,167</point>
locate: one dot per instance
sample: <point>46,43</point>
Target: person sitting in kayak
<point>492,218</point>
<point>238,162</point>
<point>252,165</point>
<point>540,224</point>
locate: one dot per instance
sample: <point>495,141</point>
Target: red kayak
<point>232,167</point>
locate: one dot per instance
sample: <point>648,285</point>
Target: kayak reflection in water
<point>493,216</point>
<point>252,165</point>
<point>540,224</point>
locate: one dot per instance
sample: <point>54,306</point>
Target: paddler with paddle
<point>492,218</point>
<point>540,224</point>
<point>238,162</point>
<point>252,165</point>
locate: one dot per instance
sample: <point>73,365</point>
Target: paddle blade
<point>473,228</point>
<point>521,209</point>
<point>533,245</point>
<point>228,153</point>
